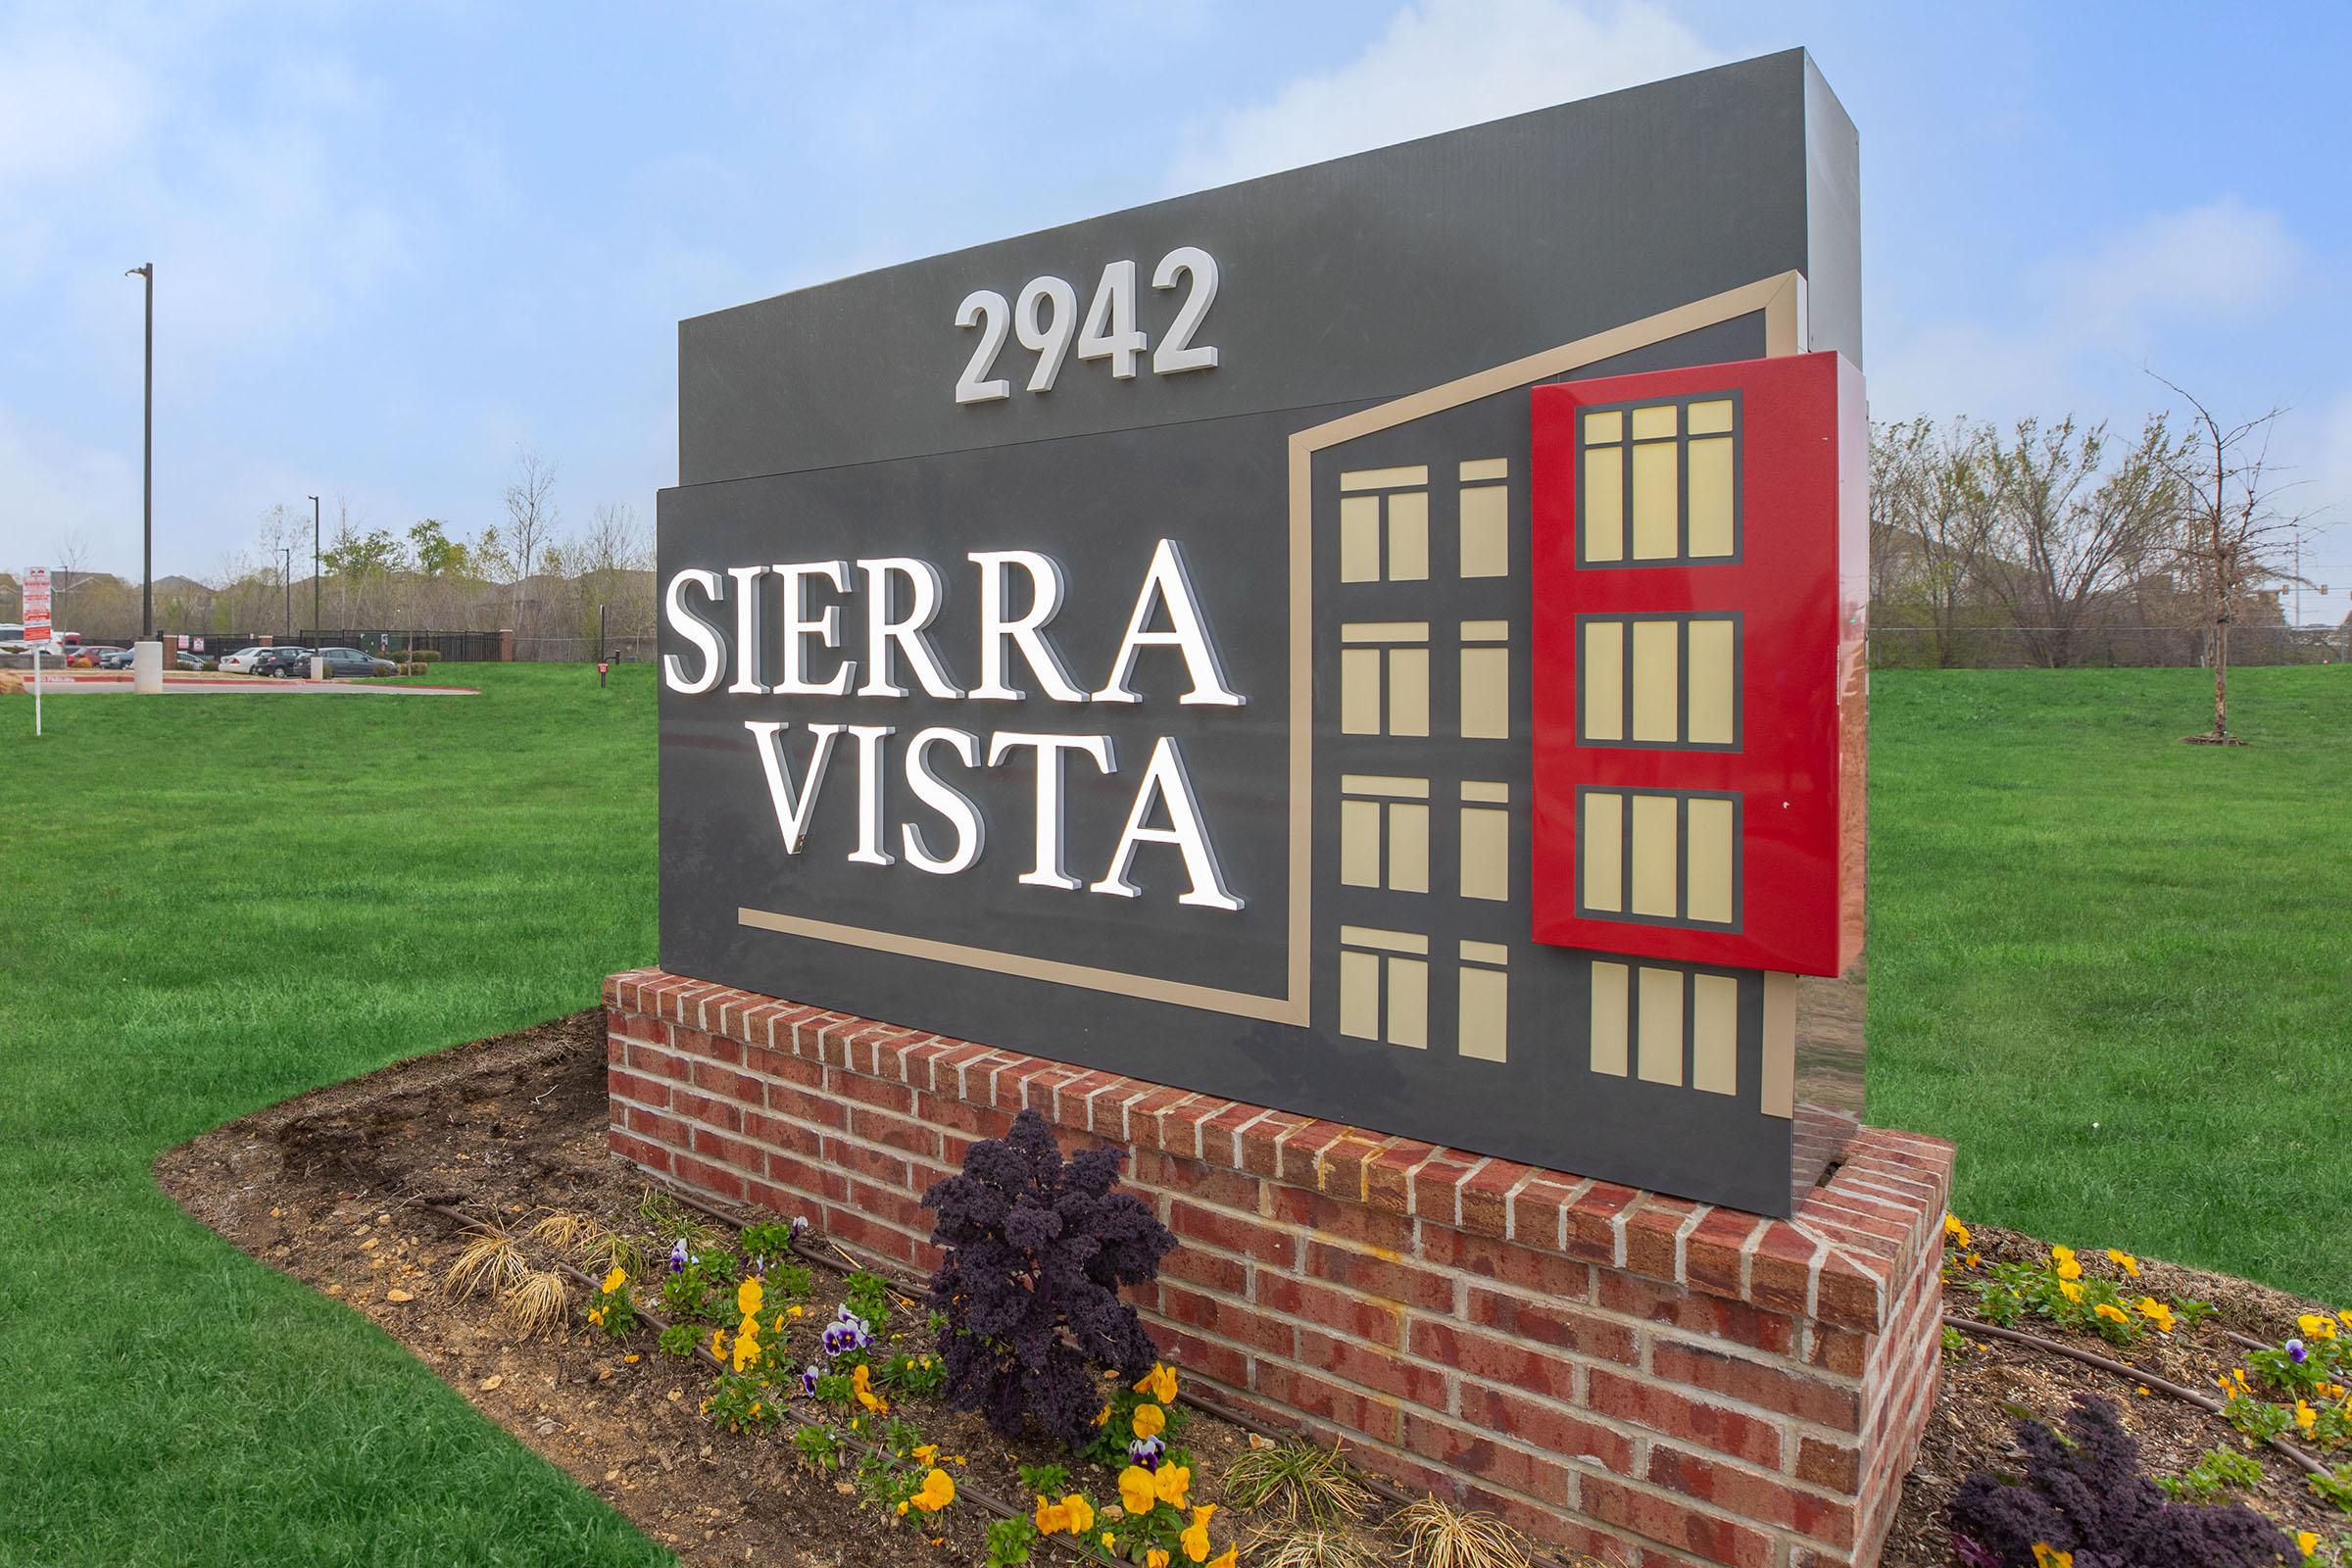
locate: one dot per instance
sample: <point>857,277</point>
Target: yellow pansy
<point>1080,1513</point>
<point>2307,1542</point>
<point>2305,1416</point>
<point>2316,1327</point>
<point>615,1280</point>
<point>1150,1420</point>
<point>2124,1261</point>
<point>2062,1255</point>
<point>938,1490</point>
<point>1106,1537</point>
<point>1103,1415</point>
<point>2073,1292</point>
<point>718,1340</point>
<point>1172,1484</point>
<point>1134,1491</point>
<point>2069,1269</point>
<point>1954,1229</point>
<point>595,1315</point>
<point>1159,1383</point>
<point>924,1454</point>
<point>1051,1518</point>
<point>2047,1556</point>
<point>862,1384</point>
<point>1195,1540</point>
<point>2111,1312</point>
<point>1156,1558</point>
<point>1224,1559</point>
<point>746,1350</point>
<point>2155,1312</point>
<point>750,1296</point>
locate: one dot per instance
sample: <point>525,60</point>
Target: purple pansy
<point>1146,1452</point>
<point>677,1256</point>
<point>2295,1351</point>
<point>847,1332</point>
<point>808,1376</point>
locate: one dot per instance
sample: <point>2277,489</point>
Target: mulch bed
<point>332,1187</point>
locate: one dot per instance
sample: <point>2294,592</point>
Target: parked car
<point>115,659</point>
<point>240,662</point>
<point>345,663</point>
<point>286,663</point>
<point>93,655</point>
<point>187,661</point>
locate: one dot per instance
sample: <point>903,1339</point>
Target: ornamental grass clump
<point>2083,1498</point>
<point>1037,1250</point>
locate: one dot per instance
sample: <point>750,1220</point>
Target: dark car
<point>113,658</point>
<point>344,663</point>
<point>287,663</point>
<point>187,661</point>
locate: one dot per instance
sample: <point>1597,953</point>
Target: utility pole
<point>314,499</point>
<point>146,271</point>
<point>285,580</point>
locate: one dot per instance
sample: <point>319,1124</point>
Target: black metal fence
<point>453,647</point>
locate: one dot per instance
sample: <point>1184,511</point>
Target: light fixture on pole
<point>147,673</point>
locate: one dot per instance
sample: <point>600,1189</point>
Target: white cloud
<point>69,107</point>
<point>51,487</point>
<point>1444,64</point>
<point>2224,259</point>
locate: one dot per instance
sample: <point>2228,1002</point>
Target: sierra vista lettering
<point>725,616</point>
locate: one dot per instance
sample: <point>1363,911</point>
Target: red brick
<point>1696,1366</point>
<point>784,1064</point>
<point>1494,1360</point>
<point>812,1106</point>
<point>1522,1267</point>
<point>627,1026</point>
<point>1370,1321</point>
<point>1675,1524</point>
<point>1340,1220</point>
<point>1219,1318</point>
<point>1663,1303</point>
<point>871,1163</point>
<point>1227,1187</point>
<point>818,1181</point>
<point>1200,1266</point>
<point>1220,1135</point>
<point>1538,1211</point>
<point>628,1145</point>
<point>866,1090</point>
<point>1779,1269</point>
<point>719,1179</point>
<point>1750,1495</point>
<point>1222,1228</point>
<point>1371,1416</point>
<point>1301,1158</point>
<point>1375,1275</point>
<point>896,1208</point>
<point>1632,1397</point>
<point>1437,1186</point>
<point>1388,1179</point>
<point>652,1091</point>
<point>663,1129</point>
<point>880,1127</point>
<point>1221,1364</point>
<point>1591,1223</point>
<point>1536,1475</point>
<point>1486,1193</point>
<point>732,1152</point>
<point>1711,1259</point>
<point>661,1063</point>
<point>1546,1427</point>
<point>1339,1171</point>
<point>857,1230</point>
<point>689,1041</point>
<point>1261,1142</point>
<point>704,1108</point>
<point>1829,1464</point>
<point>778,1133</point>
<point>1547,1323</point>
<point>1650,1226</point>
<point>946,1110</point>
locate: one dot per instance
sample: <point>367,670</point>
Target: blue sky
<point>394,242</point>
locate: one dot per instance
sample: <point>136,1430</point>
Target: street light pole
<point>146,271</point>
<point>285,580</point>
<point>314,499</point>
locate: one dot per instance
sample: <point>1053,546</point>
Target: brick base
<point>1649,1379</point>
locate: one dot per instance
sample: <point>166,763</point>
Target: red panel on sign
<point>1700,579</point>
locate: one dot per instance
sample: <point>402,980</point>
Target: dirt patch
<point>333,1188</point>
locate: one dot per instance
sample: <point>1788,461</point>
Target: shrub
<point>423,656</point>
<point>1037,1248</point>
<point>2083,1492</point>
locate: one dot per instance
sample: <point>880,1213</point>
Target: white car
<point>240,662</point>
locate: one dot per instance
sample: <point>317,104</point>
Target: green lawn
<point>2117,971</point>
<point>2113,968</point>
<point>218,902</point>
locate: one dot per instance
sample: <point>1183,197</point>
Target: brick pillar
<point>1611,1369</point>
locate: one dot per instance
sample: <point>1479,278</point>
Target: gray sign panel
<point>1171,718</point>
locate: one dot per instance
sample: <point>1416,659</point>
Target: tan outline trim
<point>1069,974</point>
<point>1781,299</point>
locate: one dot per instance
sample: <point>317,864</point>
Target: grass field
<point>2113,968</point>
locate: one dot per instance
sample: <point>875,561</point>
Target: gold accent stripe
<point>1486,469</point>
<point>1486,631</point>
<point>1779,1096</point>
<point>1476,790</point>
<point>1375,784</point>
<point>1365,936</point>
<point>1242,1003</point>
<point>1485,951</point>
<point>1381,478</point>
<point>1385,631</point>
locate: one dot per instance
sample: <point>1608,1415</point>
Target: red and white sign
<point>36,604</point>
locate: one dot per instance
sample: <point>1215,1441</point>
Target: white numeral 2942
<point>1046,316</point>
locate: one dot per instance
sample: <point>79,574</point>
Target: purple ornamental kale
<point>1037,1248</point>
<point>2086,1493</point>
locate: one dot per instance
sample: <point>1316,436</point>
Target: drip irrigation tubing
<point>2203,1401</point>
<point>1379,1485</point>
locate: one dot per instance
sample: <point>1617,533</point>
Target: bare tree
<point>2078,521</point>
<point>1932,518</point>
<point>2232,534</point>
<point>72,555</point>
<point>531,520</point>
